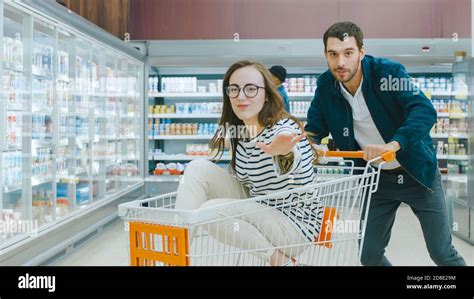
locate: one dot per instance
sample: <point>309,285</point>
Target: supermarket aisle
<point>106,249</point>
<point>406,247</point>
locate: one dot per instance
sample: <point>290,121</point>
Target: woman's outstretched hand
<point>282,144</point>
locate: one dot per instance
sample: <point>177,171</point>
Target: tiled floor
<point>406,247</point>
<point>107,249</point>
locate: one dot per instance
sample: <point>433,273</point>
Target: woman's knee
<point>198,165</point>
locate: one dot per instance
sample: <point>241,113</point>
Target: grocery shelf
<point>103,94</point>
<point>80,112</point>
<point>62,173</point>
<point>127,158</point>
<point>13,66</point>
<point>182,157</point>
<point>453,157</point>
<point>38,72</point>
<point>300,95</point>
<point>41,179</point>
<point>80,171</point>
<point>128,138</point>
<point>454,177</point>
<point>83,138</point>
<point>443,93</point>
<point>177,95</point>
<point>438,93</point>
<point>452,115</point>
<point>13,108</point>
<point>63,78</point>
<point>104,115</point>
<point>43,111</point>
<point>448,135</point>
<point>299,115</point>
<point>184,115</point>
<point>105,137</point>
<point>130,115</point>
<point>180,137</point>
<point>12,188</point>
<point>15,91</point>
<point>163,178</point>
<point>13,147</point>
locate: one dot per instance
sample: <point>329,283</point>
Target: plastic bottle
<point>150,85</point>
<point>155,84</point>
<point>18,51</point>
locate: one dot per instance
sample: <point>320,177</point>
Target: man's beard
<point>334,73</point>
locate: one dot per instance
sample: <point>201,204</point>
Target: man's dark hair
<point>343,30</point>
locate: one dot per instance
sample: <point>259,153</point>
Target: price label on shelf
<point>460,96</point>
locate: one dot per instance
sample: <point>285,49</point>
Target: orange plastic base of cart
<point>154,244</point>
<point>325,235</point>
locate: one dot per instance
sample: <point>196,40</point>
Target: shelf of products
<point>163,179</point>
<point>181,137</point>
<point>200,100</point>
<point>181,109</point>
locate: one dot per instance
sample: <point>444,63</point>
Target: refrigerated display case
<point>460,184</point>
<point>71,111</point>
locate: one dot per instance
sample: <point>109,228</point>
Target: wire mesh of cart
<point>160,235</point>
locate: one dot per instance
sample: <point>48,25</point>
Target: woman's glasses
<point>250,90</point>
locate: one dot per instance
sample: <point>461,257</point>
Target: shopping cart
<point>160,235</point>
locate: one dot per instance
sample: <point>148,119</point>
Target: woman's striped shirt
<point>260,173</point>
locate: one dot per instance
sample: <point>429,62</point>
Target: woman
<point>270,154</point>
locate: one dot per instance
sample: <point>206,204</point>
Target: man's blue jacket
<point>400,111</point>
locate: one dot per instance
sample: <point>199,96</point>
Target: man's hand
<point>282,144</point>
<point>372,151</point>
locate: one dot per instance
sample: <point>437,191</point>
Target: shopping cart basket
<point>160,235</point>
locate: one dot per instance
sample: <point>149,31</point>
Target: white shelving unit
<point>181,137</point>
<point>170,155</point>
<point>448,135</point>
<point>180,157</point>
<point>199,96</point>
<point>453,157</point>
<point>163,179</point>
<point>184,115</point>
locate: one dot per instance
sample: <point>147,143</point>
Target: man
<point>355,105</point>
<point>279,76</point>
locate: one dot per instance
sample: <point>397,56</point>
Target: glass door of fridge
<point>460,187</point>
<point>458,141</point>
<point>83,123</point>
<point>42,110</point>
<point>64,122</point>
<point>100,118</point>
<point>112,105</point>
<point>134,107</point>
<point>128,143</point>
<point>13,141</point>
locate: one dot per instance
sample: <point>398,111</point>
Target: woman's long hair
<point>271,113</point>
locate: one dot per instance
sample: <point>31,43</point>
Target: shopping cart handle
<point>387,157</point>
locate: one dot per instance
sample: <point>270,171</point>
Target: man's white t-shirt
<point>365,131</point>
